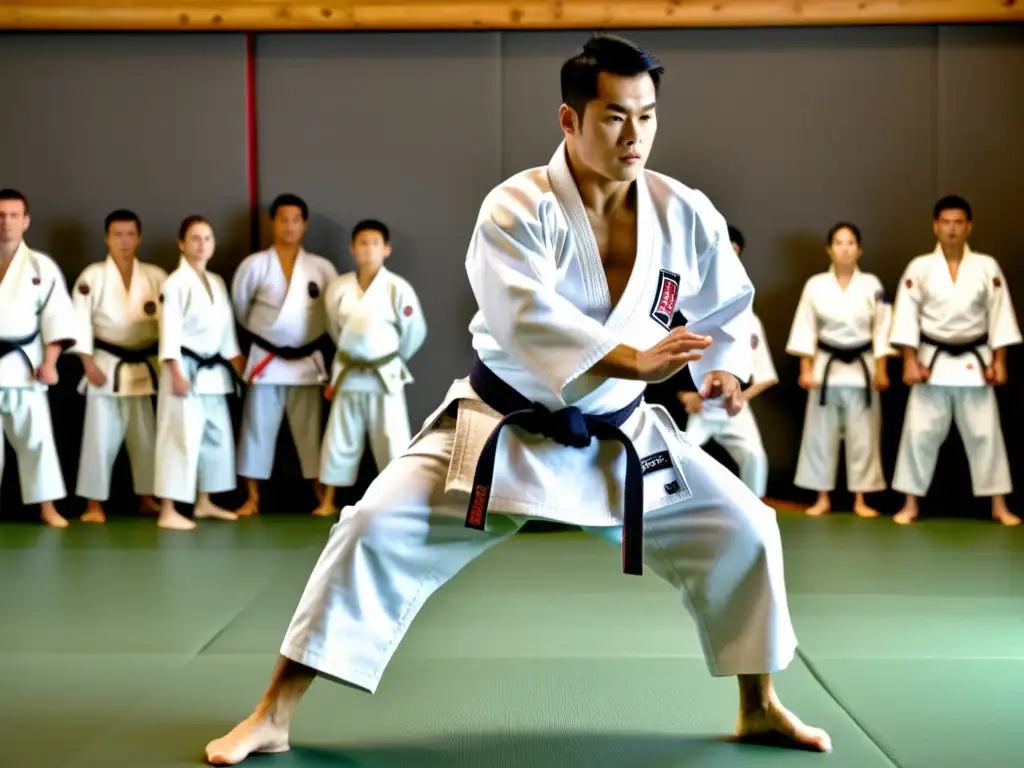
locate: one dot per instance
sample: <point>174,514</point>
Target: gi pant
<point>265,407</point>
<point>353,415</point>
<point>407,537</point>
<point>741,439</point>
<point>109,422</point>
<point>930,410</point>
<point>847,416</point>
<point>25,417</point>
<point>195,446</point>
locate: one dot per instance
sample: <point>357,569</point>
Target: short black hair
<point>604,53</point>
<point>372,225</point>
<point>13,194</point>
<point>121,214</point>
<point>289,199</point>
<point>952,203</point>
<point>735,236</point>
<point>838,227</point>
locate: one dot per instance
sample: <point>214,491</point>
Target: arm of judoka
<point>412,325</point>
<point>1003,330</point>
<point>803,334</point>
<point>905,325</point>
<point>243,288</point>
<point>58,323</point>
<point>331,300</point>
<point>655,365</point>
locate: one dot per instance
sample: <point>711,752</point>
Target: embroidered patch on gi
<point>672,487</point>
<point>909,283</point>
<point>149,307</point>
<point>36,281</point>
<point>753,341</point>
<point>314,290</point>
<point>161,299</point>
<point>83,289</point>
<point>997,282</point>
<point>664,306</point>
<point>655,462</point>
<point>407,311</point>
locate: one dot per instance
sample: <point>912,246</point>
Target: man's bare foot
<point>93,512</point>
<point>326,509</point>
<point>861,508</point>
<point>320,490</point>
<point>172,519</point>
<point>205,508</point>
<point>149,505</point>
<point>49,515</point>
<point>907,515</point>
<point>821,507</point>
<point>774,725</point>
<point>250,507</point>
<point>253,735</point>
<point>1002,514</point>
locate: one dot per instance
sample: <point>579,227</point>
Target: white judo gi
<point>119,327</point>
<point>35,310</point>
<point>285,371</point>
<point>844,331</point>
<point>376,333</point>
<point>194,436</point>
<point>544,319</point>
<point>970,317</point>
<point>739,434</point>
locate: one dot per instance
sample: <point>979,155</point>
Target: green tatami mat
<point>534,713</point>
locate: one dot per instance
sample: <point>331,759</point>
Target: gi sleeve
<point>229,348</point>
<point>1003,330</point>
<point>763,366</point>
<point>58,321</point>
<point>803,334</point>
<point>412,325</point>
<point>244,285</point>
<point>172,321</point>
<point>83,297</point>
<point>722,307</point>
<point>906,313</point>
<point>513,274</point>
<point>881,324</point>
<point>332,302</point>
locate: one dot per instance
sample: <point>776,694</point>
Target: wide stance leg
<point>30,430</point>
<point>102,434</point>
<point>140,440</point>
<point>344,439</point>
<point>925,428</point>
<point>741,438</point>
<point>819,444</point>
<point>304,406</point>
<point>388,426</point>
<point>863,432</point>
<point>976,413</point>
<point>261,420</point>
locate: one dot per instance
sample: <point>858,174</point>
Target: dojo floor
<point>126,646</point>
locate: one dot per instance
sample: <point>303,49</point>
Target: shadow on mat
<point>555,750</point>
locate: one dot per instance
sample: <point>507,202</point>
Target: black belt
<point>569,427</point>
<point>844,355</point>
<point>126,356</point>
<point>290,353</point>
<point>957,349</point>
<point>212,362</point>
<point>17,347</point>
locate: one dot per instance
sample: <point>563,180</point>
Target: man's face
<point>952,228</point>
<point>369,249</point>
<point>618,127</point>
<point>289,226</point>
<point>14,221</point>
<point>123,239</point>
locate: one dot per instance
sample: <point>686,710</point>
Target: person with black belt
<point>278,300</point>
<point>201,365</point>
<point>117,302</point>
<point>577,269</point>
<point>953,321</point>
<point>840,332</point>
<point>37,324</point>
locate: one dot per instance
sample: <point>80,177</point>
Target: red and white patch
<point>407,311</point>
<point>664,305</point>
<point>36,281</point>
<point>970,366</point>
<point>83,289</point>
<point>753,341</point>
<point>910,283</point>
<point>997,282</point>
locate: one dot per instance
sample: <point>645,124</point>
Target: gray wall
<point>788,130</point>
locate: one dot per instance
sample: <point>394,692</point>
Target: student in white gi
<point>953,319</point>
<point>737,434</point>
<point>377,324</point>
<point>278,298</point>
<point>117,302</point>
<point>577,268</point>
<point>840,332</point>
<point>201,365</point>
<point>37,323</point>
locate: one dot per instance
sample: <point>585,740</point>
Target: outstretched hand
<point>726,386</point>
<point>666,358</point>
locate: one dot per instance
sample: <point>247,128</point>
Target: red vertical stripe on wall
<point>252,162</point>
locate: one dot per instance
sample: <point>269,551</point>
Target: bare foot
<point>320,491</point>
<point>149,505</point>
<point>861,509</point>
<point>326,509</point>
<point>1002,514</point>
<point>173,520</point>
<point>775,725</point>
<point>905,516</point>
<point>49,515</point>
<point>206,508</point>
<point>253,735</point>
<point>250,507</point>
<point>821,507</point>
<point>94,513</point>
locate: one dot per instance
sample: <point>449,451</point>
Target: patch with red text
<point>664,305</point>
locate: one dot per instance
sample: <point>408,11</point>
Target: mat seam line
<point>820,679</point>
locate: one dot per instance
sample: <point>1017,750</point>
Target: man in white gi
<point>118,302</point>
<point>567,263</point>
<point>377,323</point>
<point>737,433</point>
<point>840,332</point>
<point>37,323</point>
<point>953,319</point>
<point>278,298</point>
